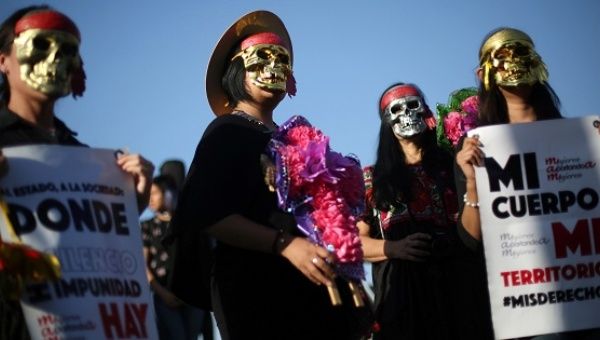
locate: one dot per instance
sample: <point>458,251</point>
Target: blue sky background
<point>146,61</point>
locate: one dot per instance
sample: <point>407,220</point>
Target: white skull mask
<point>269,66</point>
<point>47,59</point>
<point>406,116</point>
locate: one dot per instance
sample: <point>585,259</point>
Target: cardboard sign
<point>77,204</point>
<point>540,214</point>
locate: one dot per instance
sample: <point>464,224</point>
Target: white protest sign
<point>540,216</point>
<point>76,203</point>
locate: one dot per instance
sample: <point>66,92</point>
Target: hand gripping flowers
<point>324,191</point>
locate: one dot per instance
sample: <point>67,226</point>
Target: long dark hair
<point>392,177</point>
<point>492,105</point>
<point>233,82</point>
<point>7,35</point>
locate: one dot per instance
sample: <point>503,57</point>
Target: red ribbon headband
<point>48,20</point>
<point>397,92</point>
<point>262,38</point>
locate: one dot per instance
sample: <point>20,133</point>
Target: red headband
<point>397,92</point>
<point>48,20</point>
<point>405,91</point>
<point>262,38</point>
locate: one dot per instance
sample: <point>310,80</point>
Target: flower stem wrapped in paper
<point>325,192</point>
<point>457,117</point>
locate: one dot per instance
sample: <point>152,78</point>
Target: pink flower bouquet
<point>322,189</point>
<point>458,117</point>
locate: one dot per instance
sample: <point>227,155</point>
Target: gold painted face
<point>268,66</point>
<point>509,55</point>
<point>516,63</point>
<point>47,59</point>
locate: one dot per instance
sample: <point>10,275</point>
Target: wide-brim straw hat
<point>251,23</point>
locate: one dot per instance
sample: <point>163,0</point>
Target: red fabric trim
<point>430,119</point>
<point>262,38</point>
<point>48,20</point>
<point>397,92</point>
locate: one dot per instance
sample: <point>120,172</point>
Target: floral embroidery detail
<point>428,205</point>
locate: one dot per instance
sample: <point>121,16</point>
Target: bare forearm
<point>373,249</point>
<point>470,215</point>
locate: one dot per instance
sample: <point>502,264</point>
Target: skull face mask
<point>47,49</point>
<point>509,56</point>
<point>404,109</point>
<point>268,62</point>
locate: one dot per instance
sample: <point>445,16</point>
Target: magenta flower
<point>457,123</point>
<point>470,105</point>
<point>324,190</point>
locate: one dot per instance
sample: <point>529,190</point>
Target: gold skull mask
<point>47,59</point>
<point>268,66</point>
<point>511,57</point>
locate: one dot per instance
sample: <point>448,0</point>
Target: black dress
<point>479,321</point>
<point>15,131</point>
<point>416,300</point>
<point>254,295</point>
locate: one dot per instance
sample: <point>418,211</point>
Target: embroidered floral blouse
<point>429,206</point>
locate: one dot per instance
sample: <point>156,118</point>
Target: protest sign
<point>540,218</point>
<point>77,204</point>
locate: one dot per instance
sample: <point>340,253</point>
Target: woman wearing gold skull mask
<point>266,281</point>
<point>40,63</point>
<point>513,89</point>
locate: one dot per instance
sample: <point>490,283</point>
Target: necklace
<point>252,119</point>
